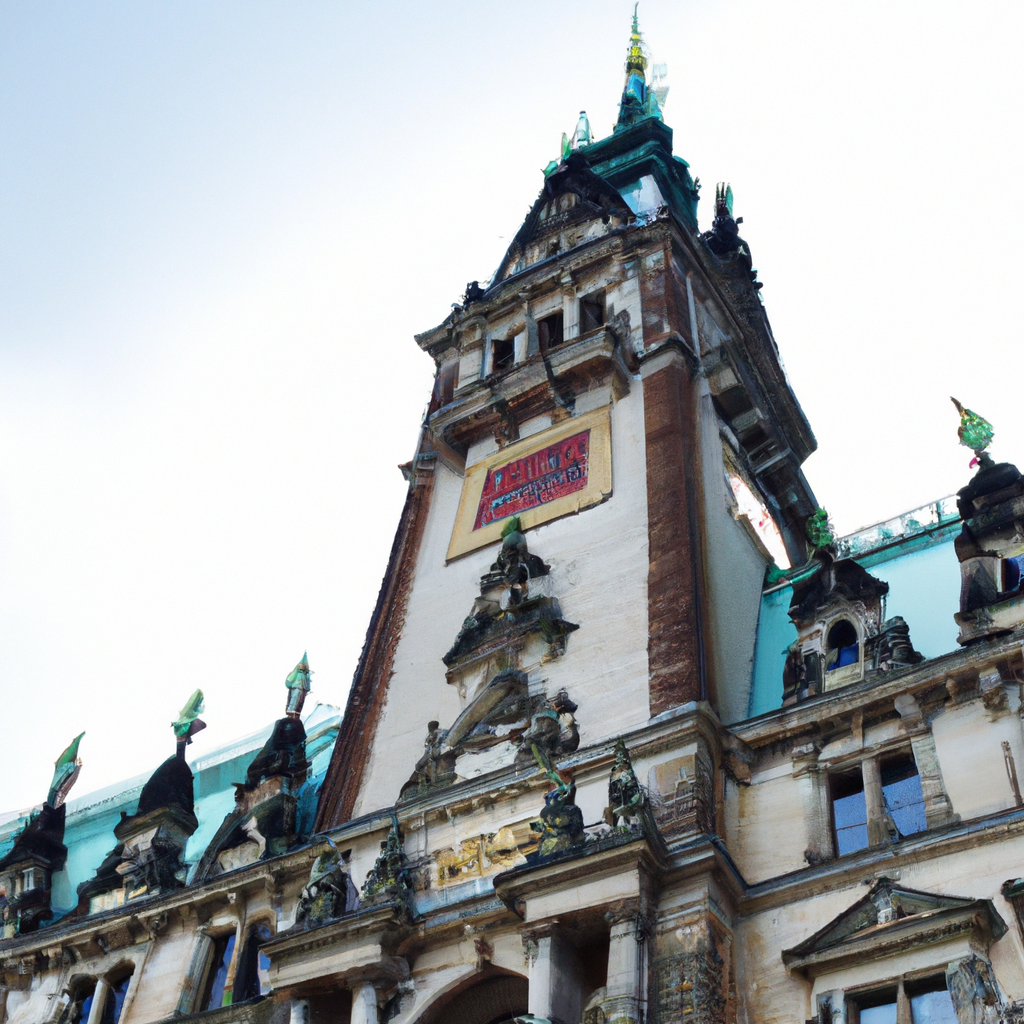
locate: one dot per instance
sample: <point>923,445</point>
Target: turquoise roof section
<point>914,554</point>
<point>89,832</point>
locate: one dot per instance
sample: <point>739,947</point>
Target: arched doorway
<point>492,998</point>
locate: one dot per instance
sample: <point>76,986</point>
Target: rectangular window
<point>930,1002</point>
<point>849,814</point>
<point>901,793</point>
<point>924,1001</point>
<point>217,977</point>
<point>503,354</point>
<point>591,312</point>
<point>549,331</point>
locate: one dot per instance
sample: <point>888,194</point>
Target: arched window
<point>115,999</point>
<point>253,964</point>
<point>81,1002</point>
<point>843,646</point>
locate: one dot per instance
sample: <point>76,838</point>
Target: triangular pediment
<point>572,195</point>
<point>889,909</point>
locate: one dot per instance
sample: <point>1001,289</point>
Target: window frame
<point>870,766</point>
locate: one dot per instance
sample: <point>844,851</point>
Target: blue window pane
<point>851,818</point>
<point>115,1000</point>
<point>884,1014</point>
<point>847,656</point>
<point>223,951</point>
<point>82,1013</point>
<point>932,1008</point>
<point>904,801</point>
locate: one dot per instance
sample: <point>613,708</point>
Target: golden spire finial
<point>636,61</point>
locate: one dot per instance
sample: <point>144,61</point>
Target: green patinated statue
<point>626,797</point>
<point>188,722</point>
<point>975,432</point>
<point>65,771</point>
<point>298,686</point>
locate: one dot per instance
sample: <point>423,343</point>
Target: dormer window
<point>591,312</point>
<point>549,331</point>
<point>843,646</point>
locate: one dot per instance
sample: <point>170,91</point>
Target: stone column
<point>364,1003</point>
<point>553,972</point>
<point>99,1001</point>
<point>937,808</point>
<point>625,961</point>
<point>874,802</point>
<point>570,311</point>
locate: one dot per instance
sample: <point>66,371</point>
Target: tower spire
<point>637,101</point>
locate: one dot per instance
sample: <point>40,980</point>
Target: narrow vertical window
<point>217,979</point>
<point>115,1000</point>
<point>849,812</point>
<point>591,312</point>
<point>253,964</point>
<point>843,646</point>
<point>81,1005</point>
<point>549,331</point>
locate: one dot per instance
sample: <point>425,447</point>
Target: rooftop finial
<point>638,102</point>
<point>298,686</point>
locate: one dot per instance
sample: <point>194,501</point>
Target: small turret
<point>27,870</point>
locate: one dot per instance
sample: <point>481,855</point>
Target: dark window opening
<point>503,354</point>
<point>252,961</point>
<point>115,1000</point>
<point>843,646</point>
<point>901,792</point>
<point>549,331</point>
<point>220,964</point>
<point>81,1004</point>
<point>849,812</point>
<point>1013,572</point>
<point>591,312</point>
<point>878,1007</point>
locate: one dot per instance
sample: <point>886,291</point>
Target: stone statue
<point>387,878</point>
<point>560,825</point>
<point>329,893</point>
<point>553,732</point>
<point>298,686</point>
<point>626,798</point>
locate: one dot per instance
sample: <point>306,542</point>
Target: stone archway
<point>493,998</point>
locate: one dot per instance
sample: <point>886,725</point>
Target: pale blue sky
<point>221,224</point>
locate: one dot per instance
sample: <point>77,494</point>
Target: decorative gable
<point>890,919</point>
<point>575,206</point>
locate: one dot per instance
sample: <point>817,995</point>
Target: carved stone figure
<point>388,879</point>
<point>329,893</point>
<point>436,765</point>
<point>560,825</point>
<point>553,732</point>
<point>626,797</point>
